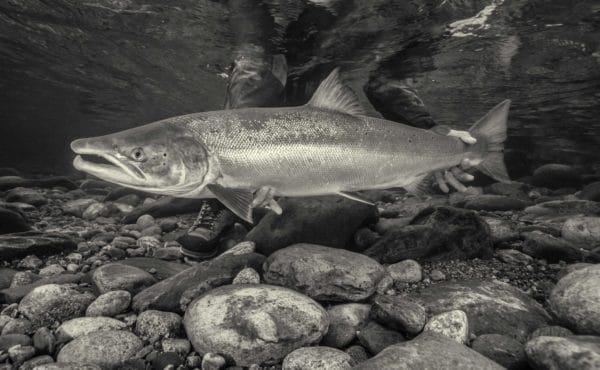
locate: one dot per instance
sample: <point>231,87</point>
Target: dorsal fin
<point>335,95</point>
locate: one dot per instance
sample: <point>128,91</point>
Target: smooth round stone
<point>578,352</point>
<point>501,230</point>
<point>80,326</point>
<point>576,300</point>
<point>145,221</point>
<point>110,304</point>
<point>95,210</point>
<point>376,338</point>
<point>556,176</point>
<point>247,276</point>
<point>148,242</point>
<point>317,358</point>
<point>254,323</point>
<point>10,340</point>
<point>36,361</point>
<point>584,231</point>
<point>116,276</point>
<point>324,273</point>
<point>22,278</point>
<point>513,257</point>
<point>399,313</point>
<point>213,361</point>
<point>452,324</point>
<point>551,331</point>
<point>344,321</point>
<point>505,350</point>
<point>17,326</point>
<point>19,354</point>
<point>107,349</point>
<point>180,346</point>
<point>47,304</point>
<point>407,271</point>
<point>153,324</point>
<point>44,341</point>
<point>31,262</point>
<point>51,270</point>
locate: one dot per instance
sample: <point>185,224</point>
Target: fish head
<point>160,157</point>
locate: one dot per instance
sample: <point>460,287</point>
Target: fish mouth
<point>107,167</point>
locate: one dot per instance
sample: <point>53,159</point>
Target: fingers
<point>450,179</point>
<point>260,197</point>
<point>465,164</point>
<point>465,136</point>
<point>461,175</point>
<point>275,207</point>
<point>441,183</point>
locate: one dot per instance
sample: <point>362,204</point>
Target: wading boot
<point>202,239</point>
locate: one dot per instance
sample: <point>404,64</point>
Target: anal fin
<point>421,186</point>
<point>354,196</point>
<point>239,201</point>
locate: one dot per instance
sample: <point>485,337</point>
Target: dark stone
<point>438,233</point>
<point>513,189</point>
<point>25,195</point>
<point>162,269</point>
<point>9,182</point>
<point>491,202</point>
<point>164,207</point>
<point>555,176</point>
<point>551,331</point>
<point>6,276</point>
<point>12,295</point>
<point>165,359</point>
<point>328,221</point>
<point>375,337</point>
<point>12,222</point>
<point>591,192</point>
<point>44,341</point>
<point>576,352</point>
<point>166,295</point>
<point>399,313</point>
<point>502,349</point>
<point>552,249</point>
<point>429,351</point>
<point>9,340</point>
<point>492,307</point>
<point>19,245</point>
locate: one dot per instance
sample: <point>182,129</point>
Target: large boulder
<point>47,304</point>
<point>107,349</point>
<point>15,294</point>
<point>428,351</point>
<point>436,233</point>
<point>545,246</point>
<point>324,273</point>
<point>578,352</point>
<point>254,323</point>
<point>506,351</point>
<point>492,307</point>
<point>584,231</point>
<point>167,294</point>
<point>117,276</point>
<point>556,176</point>
<point>19,245</point>
<point>330,221</point>
<point>575,300</point>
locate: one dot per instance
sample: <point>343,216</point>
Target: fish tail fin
<point>490,132</point>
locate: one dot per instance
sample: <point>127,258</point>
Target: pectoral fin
<point>239,201</point>
<point>355,197</point>
<point>421,186</point>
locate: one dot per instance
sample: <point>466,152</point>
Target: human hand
<point>456,175</point>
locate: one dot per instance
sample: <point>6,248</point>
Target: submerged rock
<point>492,307</point>
<point>502,349</point>
<point>19,245</point>
<point>25,195</point>
<point>80,326</point>
<point>157,324</point>
<point>578,352</point>
<point>12,221</point>
<point>109,304</point>
<point>107,349</point>
<point>545,246</point>
<point>451,324</point>
<point>584,231</point>
<point>317,358</point>
<point>375,337</point>
<point>590,192</point>
<point>399,313</point>
<point>164,207</point>
<point>328,221</point>
<point>491,202</point>
<point>407,271</point>
<point>254,324</point>
<point>575,300</point>
<point>116,276</point>
<point>556,176</point>
<point>49,303</point>
<point>436,234</point>
<point>565,208</point>
<point>344,321</point>
<point>15,294</point>
<point>324,273</point>
<point>429,351</point>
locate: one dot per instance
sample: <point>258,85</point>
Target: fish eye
<point>138,154</point>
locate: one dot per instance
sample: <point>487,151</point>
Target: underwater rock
<point>161,269</point>
<point>36,361</point>
<point>324,273</point>
<point>514,257</point>
<point>584,231</point>
<point>578,352</point>
<point>6,276</point>
<point>10,182</point>
<point>429,351</point>
<point>177,345</point>
<point>79,326</point>
<point>376,337</point>
<point>157,324</point>
<point>452,324</point>
<point>10,340</point>
<point>328,221</point>
<point>438,233</point>
<point>26,195</point>
<point>19,354</point>
<point>575,300</point>
<point>551,331</point>
<point>544,246</point>
<point>317,358</point>
<point>107,349</point>
<point>399,313</point>
<point>407,271</point>
<point>166,295</point>
<point>492,307</point>
<point>344,321</point>
<point>513,189</point>
<point>502,349</point>
<point>590,192</point>
<point>49,303</point>
<point>556,176</point>
<point>247,276</point>
<point>109,304</point>
<point>164,207</point>
<point>501,230</point>
<point>491,202</point>
<point>18,245</point>
<point>51,270</point>
<point>17,326</point>
<point>12,222</point>
<point>565,208</point>
<point>15,294</point>
<point>44,340</point>
<point>117,276</point>
<point>254,324</point>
